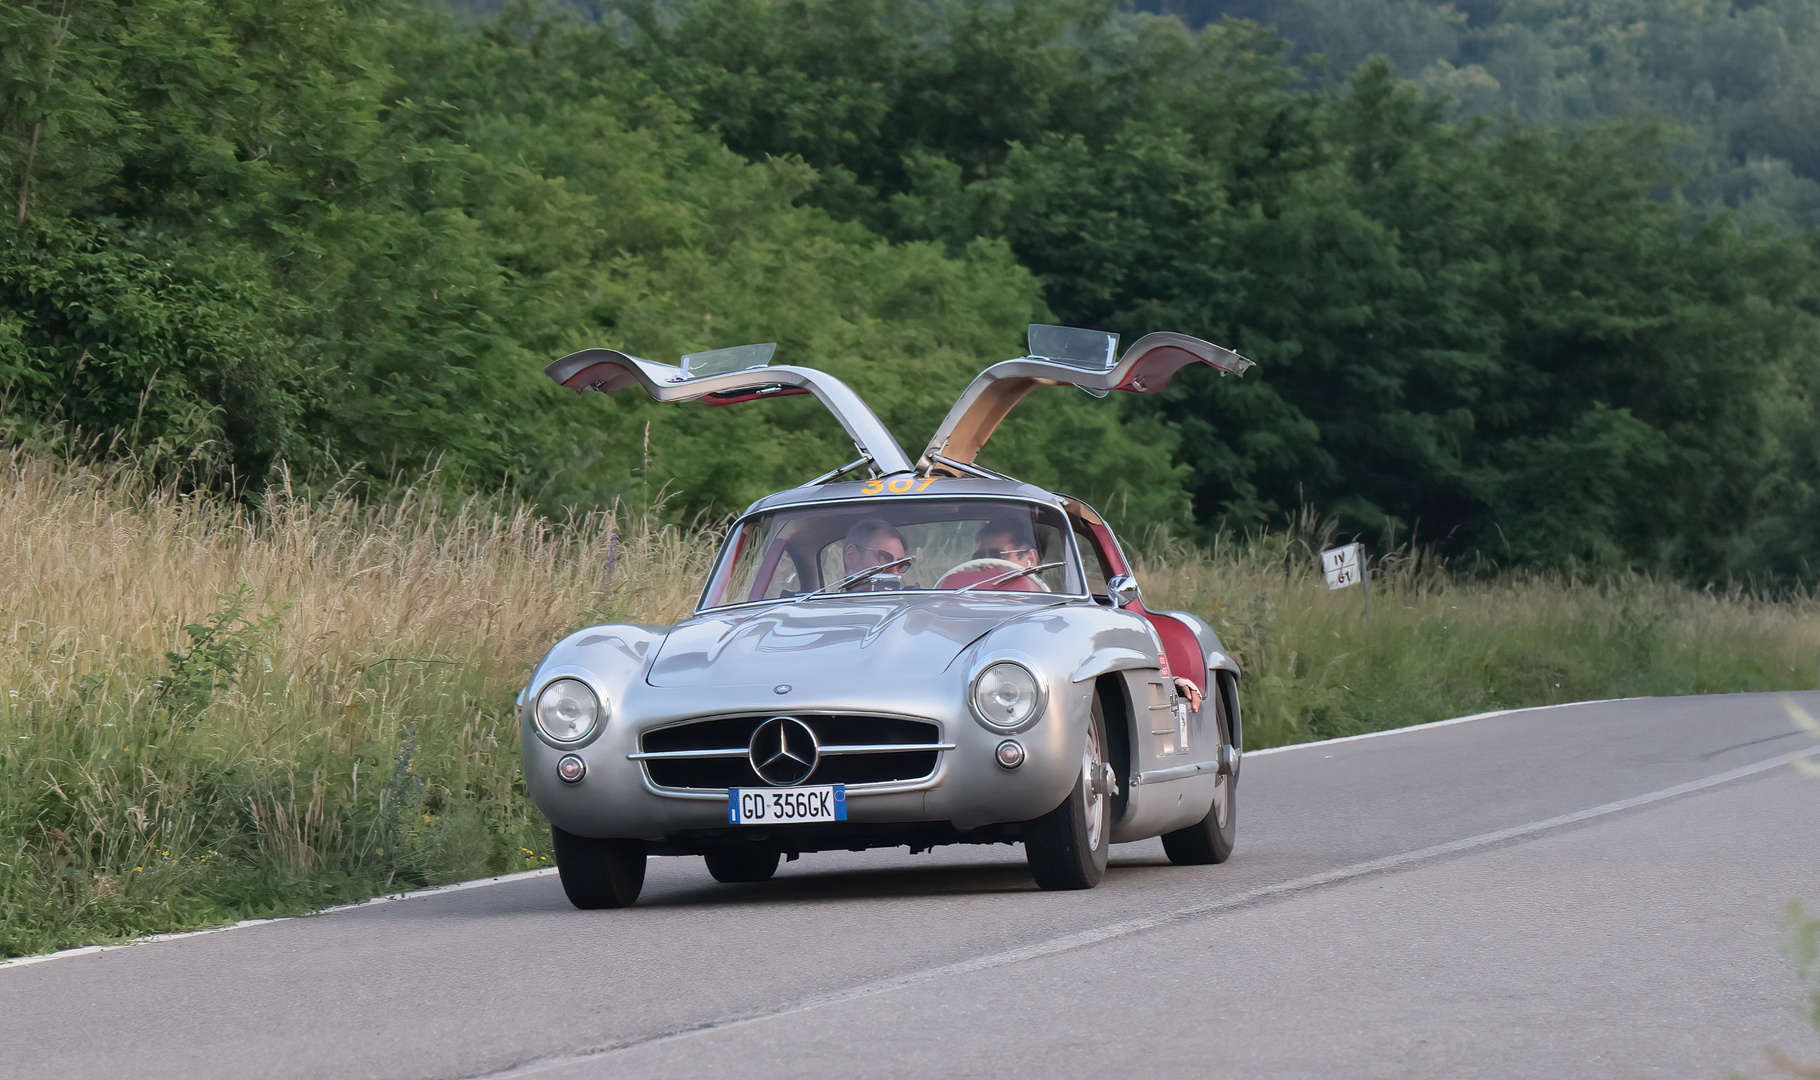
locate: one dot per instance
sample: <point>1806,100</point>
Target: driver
<point>872,542</point>
<point>1010,539</point>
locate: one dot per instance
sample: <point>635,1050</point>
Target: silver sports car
<point>895,653</point>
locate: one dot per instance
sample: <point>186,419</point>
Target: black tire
<point>1210,840</point>
<point>743,862</point>
<point>1063,847</point>
<point>599,873</point>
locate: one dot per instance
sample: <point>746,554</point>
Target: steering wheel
<point>974,571</point>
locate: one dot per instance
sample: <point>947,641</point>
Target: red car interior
<point>1181,647</point>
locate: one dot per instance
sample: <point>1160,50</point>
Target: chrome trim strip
<point>884,748</point>
<point>826,751</point>
<point>1157,776</point>
<point>883,787</point>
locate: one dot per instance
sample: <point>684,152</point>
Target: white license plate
<point>786,806</point>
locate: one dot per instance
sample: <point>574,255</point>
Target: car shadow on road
<point>871,883</point>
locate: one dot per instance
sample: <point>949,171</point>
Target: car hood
<point>856,635</point>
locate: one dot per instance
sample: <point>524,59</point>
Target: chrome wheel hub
<point>1092,787</point>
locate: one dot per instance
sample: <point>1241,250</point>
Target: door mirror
<point>1123,590</point>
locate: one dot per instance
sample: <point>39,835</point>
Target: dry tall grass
<point>212,714</point>
<point>1435,645</point>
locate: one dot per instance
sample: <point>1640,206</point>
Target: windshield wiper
<point>1018,573</point>
<point>855,578</point>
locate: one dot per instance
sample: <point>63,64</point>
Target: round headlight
<point>567,711</point>
<point>1006,695</point>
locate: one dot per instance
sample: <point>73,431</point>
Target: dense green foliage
<point>1496,337</point>
<point>1741,77</point>
<point>348,235</point>
<point>341,235</point>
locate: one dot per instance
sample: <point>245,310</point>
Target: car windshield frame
<point>1074,577</point>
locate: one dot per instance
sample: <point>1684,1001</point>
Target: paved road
<point>1408,905</point>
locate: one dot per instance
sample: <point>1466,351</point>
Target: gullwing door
<point>1065,356</point>
<point>729,376</point>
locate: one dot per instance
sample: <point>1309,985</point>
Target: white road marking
<point>1431,724</point>
<point>1084,938</point>
<point>479,883</point>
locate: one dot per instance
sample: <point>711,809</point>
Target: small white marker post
<point>1345,566</point>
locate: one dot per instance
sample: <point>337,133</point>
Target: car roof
<point>885,489</point>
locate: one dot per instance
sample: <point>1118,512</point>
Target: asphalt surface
<point>1585,891</point>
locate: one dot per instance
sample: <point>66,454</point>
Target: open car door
<point>1064,356</point>
<point>729,376</point>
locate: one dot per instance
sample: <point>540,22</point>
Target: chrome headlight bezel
<point>602,711</point>
<point>1037,707</point>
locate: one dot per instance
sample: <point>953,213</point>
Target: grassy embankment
<point>211,716</point>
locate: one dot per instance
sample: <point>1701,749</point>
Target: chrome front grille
<point>854,748</point>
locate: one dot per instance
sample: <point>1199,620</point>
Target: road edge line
<point>1434,724</point>
<point>371,901</point>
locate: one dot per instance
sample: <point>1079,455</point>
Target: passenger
<point>1013,540</point>
<point>1010,539</point>
<point>872,542</point>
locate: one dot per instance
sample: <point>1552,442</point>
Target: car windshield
<point>895,545</point>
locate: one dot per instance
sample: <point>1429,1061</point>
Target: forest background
<point>1532,282</point>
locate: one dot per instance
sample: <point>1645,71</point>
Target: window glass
<point>1094,560</point>
<point>1000,545</point>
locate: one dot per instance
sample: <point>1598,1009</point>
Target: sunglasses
<point>880,555</point>
<point>1006,553</point>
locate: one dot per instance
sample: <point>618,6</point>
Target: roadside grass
<point>212,714</point>
<point>1438,645</point>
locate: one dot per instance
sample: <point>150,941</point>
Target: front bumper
<point>967,793</point>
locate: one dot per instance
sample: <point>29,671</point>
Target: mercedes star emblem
<point>783,751</point>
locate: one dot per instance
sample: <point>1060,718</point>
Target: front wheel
<point>599,873</point>
<point>1210,840</point>
<point>1067,847</point>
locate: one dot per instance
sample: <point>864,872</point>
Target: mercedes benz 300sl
<point>897,653</point>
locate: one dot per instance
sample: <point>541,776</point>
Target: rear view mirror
<point>720,361</point>
<point>1090,350</point>
<point>1123,590</point>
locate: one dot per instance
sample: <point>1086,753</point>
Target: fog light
<point>1010,753</point>
<point>571,769</point>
